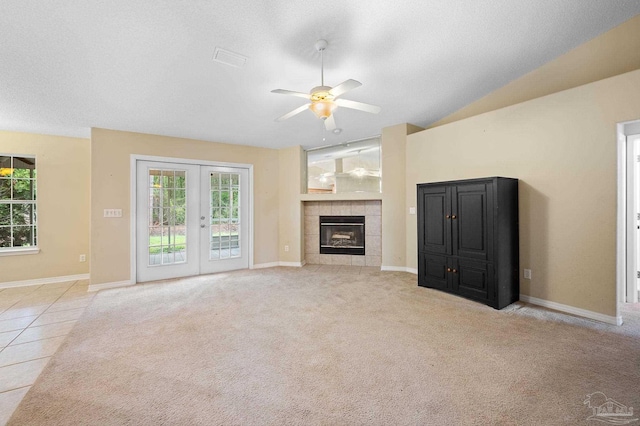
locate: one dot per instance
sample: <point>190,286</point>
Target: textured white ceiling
<point>146,65</point>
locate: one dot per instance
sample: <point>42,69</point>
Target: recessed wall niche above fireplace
<point>342,235</point>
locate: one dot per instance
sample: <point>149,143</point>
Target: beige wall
<point>62,206</point>
<point>110,188</point>
<point>394,213</point>
<point>615,52</point>
<point>563,149</point>
<point>291,213</point>
<point>393,163</point>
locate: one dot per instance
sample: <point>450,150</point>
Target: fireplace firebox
<point>342,235</point>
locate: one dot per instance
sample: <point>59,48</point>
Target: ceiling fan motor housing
<point>321,93</point>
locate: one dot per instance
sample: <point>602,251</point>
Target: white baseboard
<point>393,268</point>
<point>399,269</point>
<point>274,264</point>
<point>265,265</point>
<point>294,264</point>
<point>571,310</point>
<point>115,284</point>
<point>40,281</point>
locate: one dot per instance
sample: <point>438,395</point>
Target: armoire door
<point>434,224</point>
<point>472,220</point>
<point>474,279</point>
<point>433,273</point>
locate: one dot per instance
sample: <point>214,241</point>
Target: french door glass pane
<point>167,217</point>
<point>225,218</point>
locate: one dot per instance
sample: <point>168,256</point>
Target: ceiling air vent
<point>229,58</point>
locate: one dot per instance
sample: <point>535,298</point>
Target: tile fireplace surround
<point>371,210</point>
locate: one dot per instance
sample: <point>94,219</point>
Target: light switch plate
<point>112,212</point>
<point>412,210</point>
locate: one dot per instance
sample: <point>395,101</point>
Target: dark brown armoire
<point>468,239</point>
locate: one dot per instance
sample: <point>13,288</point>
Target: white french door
<point>167,222</point>
<point>225,229</point>
<point>191,220</point>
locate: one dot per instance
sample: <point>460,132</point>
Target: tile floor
<point>34,321</point>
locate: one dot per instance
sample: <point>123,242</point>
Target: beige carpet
<point>294,346</point>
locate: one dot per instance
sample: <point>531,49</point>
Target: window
<point>17,202</point>
<point>349,167</point>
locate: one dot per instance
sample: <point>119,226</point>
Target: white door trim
<point>133,160</point>
<point>631,291</point>
<point>621,223</point>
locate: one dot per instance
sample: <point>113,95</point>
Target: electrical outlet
<point>83,258</point>
<point>412,210</point>
<point>286,248</point>
<point>527,274</point>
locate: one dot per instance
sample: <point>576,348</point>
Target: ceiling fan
<point>325,99</point>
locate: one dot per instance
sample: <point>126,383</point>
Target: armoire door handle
<point>448,269</point>
<point>453,216</point>
<point>448,216</point>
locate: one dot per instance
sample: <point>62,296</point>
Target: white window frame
<point>15,251</point>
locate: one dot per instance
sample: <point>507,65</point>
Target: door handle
<point>201,217</point>
<point>203,225</point>
<point>453,216</point>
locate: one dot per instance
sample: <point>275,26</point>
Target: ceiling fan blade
<point>292,93</point>
<point>330,123</point>
<point>294,112</point>
<point>344,87</point>
<point>358,105</point>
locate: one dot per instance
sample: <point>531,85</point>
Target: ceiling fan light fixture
<point>322,109</point>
